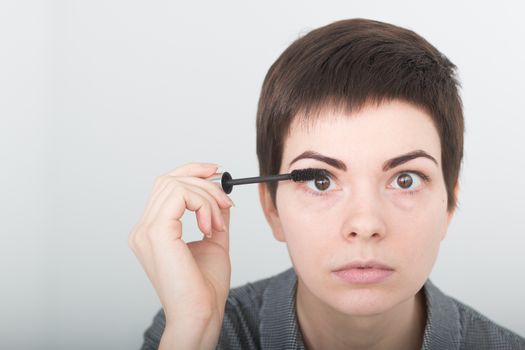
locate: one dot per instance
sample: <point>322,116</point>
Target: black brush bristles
<point>298,175</point>
<point>307,174</point>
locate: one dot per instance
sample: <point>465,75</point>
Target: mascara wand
<point>227,182</point>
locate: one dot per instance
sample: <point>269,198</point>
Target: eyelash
<point>424,177</point>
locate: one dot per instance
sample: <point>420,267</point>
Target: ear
<point>453,211</point>
<point>270,212</point>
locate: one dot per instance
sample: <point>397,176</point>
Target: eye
<point>409,181</point>
<point>320,185</point>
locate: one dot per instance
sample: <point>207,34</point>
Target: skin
<point>364,213</point>
<point>192,280</point>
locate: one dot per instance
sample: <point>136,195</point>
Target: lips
<point>364,272</point>
<point>363,264</point>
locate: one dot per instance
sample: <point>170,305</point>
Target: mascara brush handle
<point>252,180</point>
<point>227,182</point>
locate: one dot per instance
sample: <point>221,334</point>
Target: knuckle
<point>134,242</point>
<point>131,242</point>
<point>132,237</point>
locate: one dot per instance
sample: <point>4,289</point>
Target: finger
<point>163,203</point>
<point>202,170</point>
<point>222,238</point>
<point>181,198</point>
<point>214,189</point>
<point>217,220</point>
<point>162,189</point>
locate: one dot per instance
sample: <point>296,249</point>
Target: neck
<point>322,327</point>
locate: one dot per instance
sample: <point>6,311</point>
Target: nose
<point>364,218</point>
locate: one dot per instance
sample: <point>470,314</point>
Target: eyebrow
<point>388,164</point>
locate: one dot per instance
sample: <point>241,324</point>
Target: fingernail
<point>229,200</point>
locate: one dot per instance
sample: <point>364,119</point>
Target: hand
<point>192,280</point>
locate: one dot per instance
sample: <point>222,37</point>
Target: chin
<point>362,301</point>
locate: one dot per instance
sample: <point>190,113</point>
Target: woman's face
<point>397,215</point>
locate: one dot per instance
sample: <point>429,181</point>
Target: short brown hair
<point>348,64</point>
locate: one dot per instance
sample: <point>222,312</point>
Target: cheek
<point>299,210</point>
<point>418,233</point>
<point>308,226</point>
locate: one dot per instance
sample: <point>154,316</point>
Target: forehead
<point>372,134</point>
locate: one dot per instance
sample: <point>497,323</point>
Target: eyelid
<point>421,174</point>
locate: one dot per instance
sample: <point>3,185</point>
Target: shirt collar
<point>279,328</point>
<point>443,327</point>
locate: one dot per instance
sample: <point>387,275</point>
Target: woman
<point>377,107</point>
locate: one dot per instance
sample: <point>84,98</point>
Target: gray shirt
<point>261,315</point>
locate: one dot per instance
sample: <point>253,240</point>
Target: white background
<point>97,98</point>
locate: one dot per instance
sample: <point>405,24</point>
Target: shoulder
<point>452,324</point>
<point>479,332</point>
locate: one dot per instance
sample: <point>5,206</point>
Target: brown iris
<point>404,181</point>
<point>322,183</point>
